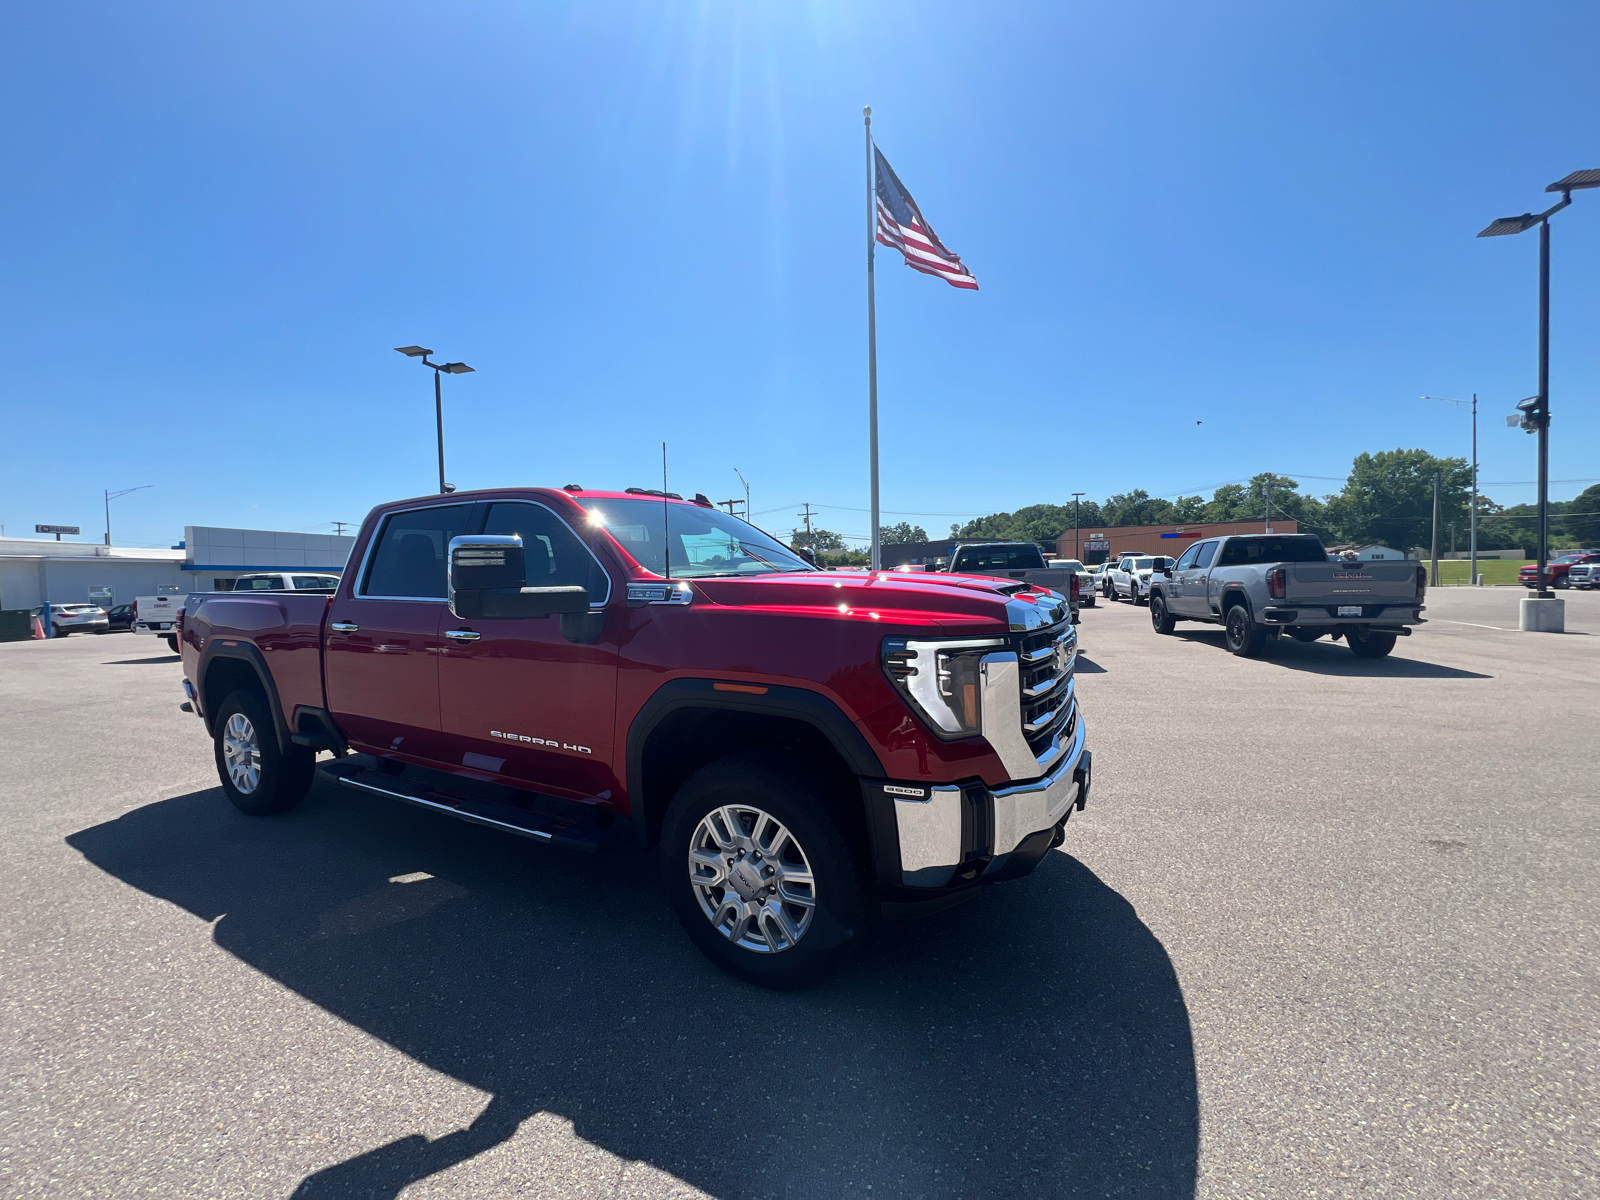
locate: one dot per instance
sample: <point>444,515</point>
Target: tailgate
<point>1352,583</point>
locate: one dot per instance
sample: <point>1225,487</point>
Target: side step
<point>543,818</point>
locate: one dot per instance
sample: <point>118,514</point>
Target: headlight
<point>940,677</point>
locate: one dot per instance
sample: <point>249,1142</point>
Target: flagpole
<point>872,348</point>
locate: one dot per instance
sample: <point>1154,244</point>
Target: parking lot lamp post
<point>1077,553</point>
<point>1538,416</point>
<point>110,496</point>
<point>454,368</point>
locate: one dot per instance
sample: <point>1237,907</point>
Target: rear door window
<point>409,561</point>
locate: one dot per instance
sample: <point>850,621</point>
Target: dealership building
<point>209,559</point>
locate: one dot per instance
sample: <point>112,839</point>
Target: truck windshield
<point>981,559</point>
<point>1265,549</point>
<point>702,541</point>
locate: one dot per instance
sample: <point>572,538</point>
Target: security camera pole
<point>1538,414</point>
<point>454,368</point>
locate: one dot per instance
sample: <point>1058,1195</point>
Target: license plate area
<point>1349,610</point>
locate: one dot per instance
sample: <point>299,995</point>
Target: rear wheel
<point>760,873</point>
<point>1160,619</point>
<point>1240,633</point>
<point>1369,645</point>
<point>172,643</point>
<point>257,777</point>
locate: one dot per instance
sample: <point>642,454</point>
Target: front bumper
<point>953,835</point>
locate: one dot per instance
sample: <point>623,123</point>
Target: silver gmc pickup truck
<point>1257,586</point>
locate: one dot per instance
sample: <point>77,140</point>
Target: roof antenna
<point>666,534</point>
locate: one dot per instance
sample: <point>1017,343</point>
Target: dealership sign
<point>56,529</point>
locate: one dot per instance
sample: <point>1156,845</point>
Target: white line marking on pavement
<point>1474,624</point>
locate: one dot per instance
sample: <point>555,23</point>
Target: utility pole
<point>1437,479</point>
<point>1077,552</point>
<point>736,471</point>
<point>807,516</point>
<point>1266,492</point>
<point>729,505</point>
<point>338,527</point>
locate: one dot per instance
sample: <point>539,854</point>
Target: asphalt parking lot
<point>1327,928</point>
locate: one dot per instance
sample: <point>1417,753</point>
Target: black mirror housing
<point>488,581</point>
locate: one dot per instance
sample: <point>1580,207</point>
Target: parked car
<point>1021,561</point>
<point>1556,570</point>
<point>1584,575</point>
<point>798,745</point>
<point>74,618</point>
<point>1131,576</point>
<point>1258,586</point>
<point>1085,579</point>
<point>120,619</point>
<point>158,615</point>
<point>1110,568</point>
<point>286,581</point>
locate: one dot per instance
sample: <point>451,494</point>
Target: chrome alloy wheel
<point>752,879</point>
<point>241,754</point>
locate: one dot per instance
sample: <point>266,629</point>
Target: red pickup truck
<point>1555,571</point>
<point>804,748</point>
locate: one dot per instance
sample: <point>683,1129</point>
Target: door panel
<point>383,674</point>
<point>522,700</point>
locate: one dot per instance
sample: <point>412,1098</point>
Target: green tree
<point>1138,507</point>
<point>891,535</point>
<point>1388,498</point>
<point>1582,519</point>
<point>816,540</point>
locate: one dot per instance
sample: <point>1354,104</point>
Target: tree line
<point>1387,500</point>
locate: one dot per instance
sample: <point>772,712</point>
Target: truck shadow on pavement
<point>140,662</point>
<point>1334,658</point>
<point>1034,1042</point>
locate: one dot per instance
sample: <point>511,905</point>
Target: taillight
<point>1422,581</point>
<point>1077,585</point>
<point>1277,581</point>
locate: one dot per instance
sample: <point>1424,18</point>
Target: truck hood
<point>893,597</point>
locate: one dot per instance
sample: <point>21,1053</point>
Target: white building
<point>209,559</point>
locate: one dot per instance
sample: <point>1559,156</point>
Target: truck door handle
<point>462,635</point>
<point>343,626</point>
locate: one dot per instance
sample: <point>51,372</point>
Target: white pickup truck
<point>1130,578</point>
<point>158,615</point>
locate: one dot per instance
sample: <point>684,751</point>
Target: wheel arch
<point>226,669</point>
<point>687,724</point>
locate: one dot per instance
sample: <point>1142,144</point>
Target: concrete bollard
<point>1536,615</point>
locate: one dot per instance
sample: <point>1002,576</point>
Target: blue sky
<point>646,222</point>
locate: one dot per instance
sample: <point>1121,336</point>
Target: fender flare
<point>1234,589</point>
<point>794,703</point>
<point>248,653</point>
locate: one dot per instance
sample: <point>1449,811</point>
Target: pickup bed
<point>1014,560</point>
<point>801,748</point>
<point>1258,586</point>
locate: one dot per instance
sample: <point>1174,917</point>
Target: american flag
<point>902,225</point>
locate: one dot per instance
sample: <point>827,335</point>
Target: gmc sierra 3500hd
<point>800,746</point>
<point>1258,586</point>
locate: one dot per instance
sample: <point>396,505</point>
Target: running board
<point>543,818</point>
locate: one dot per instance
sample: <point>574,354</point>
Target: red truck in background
<point>802,747</point>
<point>1556,571</point>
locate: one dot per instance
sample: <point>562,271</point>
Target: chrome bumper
<point>930,828</point>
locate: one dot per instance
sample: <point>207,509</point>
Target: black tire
<point>282,780</point>
<point>1137,596</point>
<point>1371,644</point>
<point>1304,635</point>
<point>1561,581</point>
<point>1241,634</point>
<point>1160,619</point>
<point>172,643</point>
<point>778,787</point>
<point>61,633</point>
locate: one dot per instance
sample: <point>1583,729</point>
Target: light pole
<point>747,516</point>
<point>1077,551</point>
<point>1538,415</point>
<point>1473,540</point>
<point>110,496</point>
<point>455,368</point>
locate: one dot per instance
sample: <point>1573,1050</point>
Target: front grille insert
<point>1046,660</point>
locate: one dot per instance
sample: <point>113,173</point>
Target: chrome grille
<point>1046,659</point>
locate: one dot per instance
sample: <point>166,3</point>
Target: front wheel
<point>1562,582</point>
<point>1240,633</point>
<point>1370,645</point>
<point>1160,619</point>
<point>257,777</point>
<point>760,873</point>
